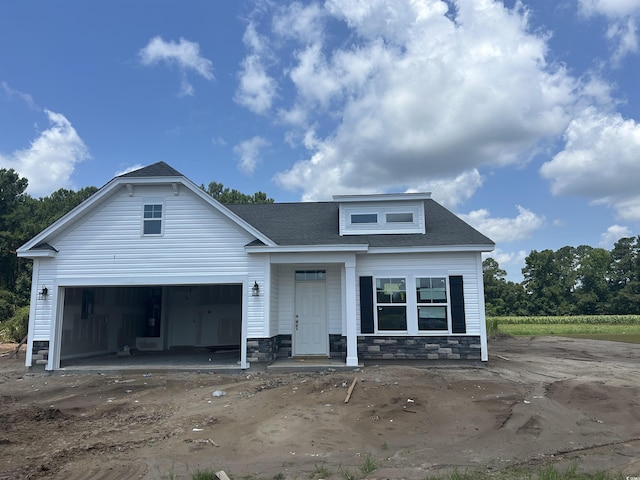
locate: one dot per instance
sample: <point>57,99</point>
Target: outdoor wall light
<point>42,294</point>
<point>255,290</point>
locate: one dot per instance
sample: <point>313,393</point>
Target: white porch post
<point>350,311</point>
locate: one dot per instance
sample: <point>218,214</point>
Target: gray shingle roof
<point>317,224</point>
<point>160,169</point>
<point>308,223</point>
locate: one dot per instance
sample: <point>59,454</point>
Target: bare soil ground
<point>539,400</point>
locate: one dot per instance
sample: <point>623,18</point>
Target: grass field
<point>619,328</point>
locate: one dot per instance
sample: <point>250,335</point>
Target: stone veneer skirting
<point>377,347</point>
<point>419,348</point>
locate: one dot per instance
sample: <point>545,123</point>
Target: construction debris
<point>353,384</point>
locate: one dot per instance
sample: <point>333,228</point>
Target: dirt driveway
<point>539,400</point>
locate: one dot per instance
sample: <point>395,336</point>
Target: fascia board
<point>381,197</point>
<point>433,249</point>
<point>36,253</point>
<point>358,248</point>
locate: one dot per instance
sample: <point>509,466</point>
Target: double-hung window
<point>431,296</point>
<point>152,221</point>
<point>391,302</point>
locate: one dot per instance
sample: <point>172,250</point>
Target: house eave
<point>357,248</point>
<point>36,253</point>
<point>382,197</point>
<point>432,249</point>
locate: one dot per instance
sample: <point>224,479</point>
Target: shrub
<point>14,329</point>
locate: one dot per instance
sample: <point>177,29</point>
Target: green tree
<point>494,287</point>
<point>502,297</point>
<point>625,276</point>
<point>591,296</point>
<point>12,197</point>
<point>227,196</point>
<point>549,280</point>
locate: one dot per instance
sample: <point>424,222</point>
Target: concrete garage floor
<point>190,360</point>
<point>172,360</point>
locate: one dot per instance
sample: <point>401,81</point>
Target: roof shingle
<point>159,169</point>
<point>309,223</point>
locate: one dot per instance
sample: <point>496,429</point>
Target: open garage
<point>120,319</point>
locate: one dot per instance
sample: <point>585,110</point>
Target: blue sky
<point>521,117</point>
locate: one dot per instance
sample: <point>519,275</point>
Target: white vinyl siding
<point>198,246</point>
<point>429,265</point>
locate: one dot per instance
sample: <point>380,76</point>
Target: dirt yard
<point>539,400</point>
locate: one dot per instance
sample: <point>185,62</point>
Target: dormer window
<point>152,219</point>
<point>403,217</point>
<point>364,218</point>
<point>382,214</point>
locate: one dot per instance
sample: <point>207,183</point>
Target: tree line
<point>569,281</point>
<point>22,217</point>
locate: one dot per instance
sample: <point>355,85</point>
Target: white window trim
<point>447,305</point>
<point>411,305</point>
<point>375,307</point>
<point>152,201</point>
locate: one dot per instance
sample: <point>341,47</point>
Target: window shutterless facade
<point>152,219</point>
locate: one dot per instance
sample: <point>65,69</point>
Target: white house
<point>152,261</point>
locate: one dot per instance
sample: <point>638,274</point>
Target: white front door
<point>310,335</point>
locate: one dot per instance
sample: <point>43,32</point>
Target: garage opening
<point>106,320</point>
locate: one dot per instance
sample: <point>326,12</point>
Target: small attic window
<point>152,219</point>
<point>364,218</point>
<point>379,218</point>
<point>404,217</point>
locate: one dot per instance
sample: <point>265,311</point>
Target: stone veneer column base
<point>262,349</point>
<point>40,352</point>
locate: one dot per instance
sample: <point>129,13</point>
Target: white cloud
<point>452,191</point>
<point>184,53</point>
<point>600,162</point>
<point>514,229</point>
<point>511,262</point>
<point>622,16</point>
<point>613,234</point>
<point>302,22</point>
<point>25,97</point>
<point>419,95</point>
<point>253,40</point>
<point>257,89</point>
<point>249,153</point>
<point>49,161</point>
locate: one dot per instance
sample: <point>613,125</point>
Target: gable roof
<point>156,174</point>
<point>276,225</point>
<point>312,224</point>
<point>159,169</point>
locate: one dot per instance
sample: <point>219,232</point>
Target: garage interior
<point>151,321</point>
